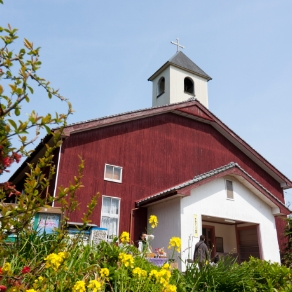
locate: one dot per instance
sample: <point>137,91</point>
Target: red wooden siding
<point>155,153</point>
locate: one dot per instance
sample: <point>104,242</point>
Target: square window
<point>229,189</point>
<point>113,173</point>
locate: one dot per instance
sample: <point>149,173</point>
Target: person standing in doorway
<point>201,254</point>
<point>143,243</point>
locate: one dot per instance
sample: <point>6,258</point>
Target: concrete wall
<point>210,200</point>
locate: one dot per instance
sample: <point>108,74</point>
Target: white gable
<point>210,200</point>
<point>211,206</point>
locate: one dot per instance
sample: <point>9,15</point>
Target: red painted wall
<point>156,153</point>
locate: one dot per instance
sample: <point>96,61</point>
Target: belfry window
<point>161,86</point>
<point>189,85</point>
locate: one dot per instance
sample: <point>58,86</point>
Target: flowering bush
<point>126,259</point>
<point>55,260</point>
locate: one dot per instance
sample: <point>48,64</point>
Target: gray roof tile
<point>180,60</point>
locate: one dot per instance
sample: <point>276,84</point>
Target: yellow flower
<point>166,266</point>
<point>6,268</point>
<point>207,262</point>
<point>153,221</point>
<point>125,237</point>
<point>153,274</point>
<point>165,274</point>
<point>170,288</point>
<point>63,255</point>
<point>94,285</point>
<point>175,242</point>
<point>104,272</point>
<point>31,290</point>
<point>162,277</point>
<point>54,260</point>
<point>138,272</point>
<point>79,287</point>
<point>126,259</point>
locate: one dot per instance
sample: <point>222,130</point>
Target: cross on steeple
<point>177,45</point>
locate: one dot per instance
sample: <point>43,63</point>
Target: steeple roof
<point>180,60</point>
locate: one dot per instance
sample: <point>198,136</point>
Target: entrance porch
<point>237,238</point>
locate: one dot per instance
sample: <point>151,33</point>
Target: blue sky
<point>101,53</point>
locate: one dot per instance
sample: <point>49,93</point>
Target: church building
<point>178,161</point>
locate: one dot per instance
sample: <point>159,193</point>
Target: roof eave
<point>167,64</point>
<point>232,169</point>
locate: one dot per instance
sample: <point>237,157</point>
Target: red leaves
<point>9,189</point>
<point>25,270</point>
<point>16,156</point>
<point>7,161</point>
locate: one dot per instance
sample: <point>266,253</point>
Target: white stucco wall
<point>169,224</point>
<point>210,200</point>
<point>177,93</point>
<point>174,87</point>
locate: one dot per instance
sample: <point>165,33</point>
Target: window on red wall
<point>110,215</point>
<point>113,173</point>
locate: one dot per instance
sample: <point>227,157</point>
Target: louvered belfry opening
<point>248,244</point>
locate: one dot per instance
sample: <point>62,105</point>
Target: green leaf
<point>13,87</point>
<point>30,89</point>
<point>12,123</point>
<point>27,44</point>
<point>47,129</point>
<point>17,112</point>
<point>1,89</point>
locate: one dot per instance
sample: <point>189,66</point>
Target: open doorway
<point>231,237</point>
<point>209,233</point>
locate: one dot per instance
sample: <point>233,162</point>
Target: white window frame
<point>117,216</point>
<point>110,179</point>
<point>232,199</point>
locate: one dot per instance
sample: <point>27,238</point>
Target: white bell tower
<point>178,80</point>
